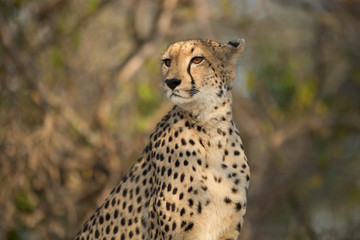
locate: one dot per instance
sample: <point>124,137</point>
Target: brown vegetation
<point>80,91</point>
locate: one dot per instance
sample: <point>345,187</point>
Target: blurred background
<point>80,92</point>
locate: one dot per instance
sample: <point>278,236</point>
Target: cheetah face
<point>198,73</point>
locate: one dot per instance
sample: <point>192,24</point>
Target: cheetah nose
<point>172,83</point>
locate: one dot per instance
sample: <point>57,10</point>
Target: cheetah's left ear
<point>233,49</point>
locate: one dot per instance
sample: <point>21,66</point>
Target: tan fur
<point>192,178</point>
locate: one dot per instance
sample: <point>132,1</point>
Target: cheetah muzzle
<point>192,178</point>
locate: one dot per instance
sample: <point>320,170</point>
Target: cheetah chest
<point>210,189</point>
<point>226,177</point>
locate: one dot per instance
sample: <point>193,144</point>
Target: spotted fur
<point>192,178</point>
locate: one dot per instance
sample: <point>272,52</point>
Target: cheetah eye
<point>197,60</point>
<point>167,62</point>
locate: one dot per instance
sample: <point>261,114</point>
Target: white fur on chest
<point>219,216</point>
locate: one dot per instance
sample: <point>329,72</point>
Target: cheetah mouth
<point>176,95</point>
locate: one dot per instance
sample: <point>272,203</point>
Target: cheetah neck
<point>212,117</point>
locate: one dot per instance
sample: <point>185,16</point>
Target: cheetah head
<point>198,73</point>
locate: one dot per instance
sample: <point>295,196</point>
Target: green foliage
<point>12,235</point>
<point>147,99</point>
<point>92,5</point>
<point>25,202</point>
<point>56,58</point>
<point>275,73</point>
<point>10,9</point>
<point>76,38</point>
<point>305,94</point>
<point>356,76</point>
<point>148,102</point>
<point>354,195</point>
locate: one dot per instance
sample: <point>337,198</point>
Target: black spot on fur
<point>189,226</point>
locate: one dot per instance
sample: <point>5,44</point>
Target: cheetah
<point>191,180</point>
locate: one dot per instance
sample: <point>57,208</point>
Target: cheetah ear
<point>233,49</point>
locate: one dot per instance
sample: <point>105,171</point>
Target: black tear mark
<point>192,79</point>
<point>193,89</point>
<point>234,43</point>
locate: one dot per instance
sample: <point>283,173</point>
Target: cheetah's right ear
<point>233,49</point>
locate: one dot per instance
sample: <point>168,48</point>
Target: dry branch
<point>148,46</point>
